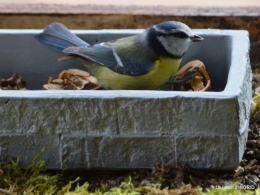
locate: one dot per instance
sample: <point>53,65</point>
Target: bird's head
<point>169,39</point>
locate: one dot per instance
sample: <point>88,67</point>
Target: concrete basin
<point>126,129</point>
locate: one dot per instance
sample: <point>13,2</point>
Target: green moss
<point>31,181</point>
<point>255,104</point>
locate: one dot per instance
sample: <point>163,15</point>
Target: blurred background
<point>150,2</point>
<point>136,14</point>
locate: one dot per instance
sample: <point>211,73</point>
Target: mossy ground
<point>34,180</point>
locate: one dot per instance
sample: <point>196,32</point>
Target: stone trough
<point>126,129</point>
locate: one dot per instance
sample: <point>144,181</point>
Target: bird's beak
<point>196,38</point>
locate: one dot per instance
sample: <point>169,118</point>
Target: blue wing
<point>107,56</point>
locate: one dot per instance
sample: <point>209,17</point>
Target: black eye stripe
<point>181,35</point>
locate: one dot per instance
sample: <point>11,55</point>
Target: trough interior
<point>35,62</point>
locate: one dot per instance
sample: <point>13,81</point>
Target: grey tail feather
<point>59,37</point>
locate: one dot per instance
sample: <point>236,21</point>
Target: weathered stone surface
<point>24,146</point>
<point>117,152</point>
<point>73,151</point>
<point>55,116</point>
<point>175,116</point>
<point>207,152</point>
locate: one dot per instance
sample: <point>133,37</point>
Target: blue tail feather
<point>59,37</point>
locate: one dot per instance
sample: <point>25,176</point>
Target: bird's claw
<point>187,78</point>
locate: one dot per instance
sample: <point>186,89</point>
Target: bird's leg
<point>188,77</point>
<point>98,88</point>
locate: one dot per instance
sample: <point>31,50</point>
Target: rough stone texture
<point>208,151</point>
<point>126,129</point>
<point>12,145</point>
<point>117,152</point>
<point>176,117</point>
<point>59,116</point>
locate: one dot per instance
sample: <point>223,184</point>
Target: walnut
<point>13,83</point>
<point>72,79</point>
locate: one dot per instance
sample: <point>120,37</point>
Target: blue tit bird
<point>145,61</point>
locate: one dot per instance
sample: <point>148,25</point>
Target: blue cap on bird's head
<point>169,25</point>
<point>170,39</point>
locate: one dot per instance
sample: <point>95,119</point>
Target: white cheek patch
<point>174,45</point>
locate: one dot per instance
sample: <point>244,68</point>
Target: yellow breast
<point>160,73</point>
